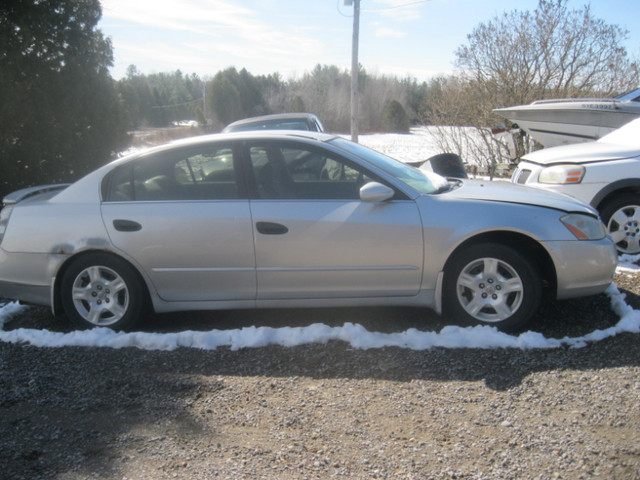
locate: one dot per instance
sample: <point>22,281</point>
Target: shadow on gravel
<point>631,299</point>
<point>570,318</point>
<point>501,368</point>
<point>83,410</point>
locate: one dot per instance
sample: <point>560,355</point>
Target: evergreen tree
<point>394,118</point>
<point>60,115</point>
<point>234,95</point>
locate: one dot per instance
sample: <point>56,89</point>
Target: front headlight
<point>562,174</point>
<point>584,227</point>
<point>4,219</point>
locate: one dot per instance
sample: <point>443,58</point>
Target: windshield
<point>634,95</point>
<point>625,135</point>
<point>422,181</point>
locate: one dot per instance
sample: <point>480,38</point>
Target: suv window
<point>205,175</point>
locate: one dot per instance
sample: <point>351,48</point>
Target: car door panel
<point>338,249</point>
<point>184,217</point>
<point>206,254</point>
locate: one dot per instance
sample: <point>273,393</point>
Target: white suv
<point>604,174</point>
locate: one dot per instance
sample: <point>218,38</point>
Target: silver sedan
<point>293,219</point>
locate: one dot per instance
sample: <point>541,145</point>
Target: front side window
<point>293,171</point>
<point>205,175</point>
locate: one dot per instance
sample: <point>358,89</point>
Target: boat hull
<point>566,122</point>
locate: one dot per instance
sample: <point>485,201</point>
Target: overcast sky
<point>398,37</point>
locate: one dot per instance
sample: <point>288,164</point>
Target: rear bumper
<point>583,267</point>
<point>28,277</point>
<point>30,294</point>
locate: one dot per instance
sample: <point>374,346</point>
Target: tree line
<point>158,100</point>
<point>62,114</point>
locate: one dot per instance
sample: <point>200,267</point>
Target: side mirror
<point>375,192</point>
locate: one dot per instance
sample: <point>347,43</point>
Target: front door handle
<point>126,225</point>
<point>270,228</point>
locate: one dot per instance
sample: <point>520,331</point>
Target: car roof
<point>248,135</point>
<point>257,134</point>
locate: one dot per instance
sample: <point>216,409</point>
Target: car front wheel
<point>492,284</point>
<point>622,219</point>
<point>99,290</point>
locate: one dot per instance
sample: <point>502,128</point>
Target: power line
<point>396,6</point>
<point>381,9</point>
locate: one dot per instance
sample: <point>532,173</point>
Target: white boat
<point>573,120</point>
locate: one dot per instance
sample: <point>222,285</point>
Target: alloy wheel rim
<point>100,295</point>
<point>490,290</point>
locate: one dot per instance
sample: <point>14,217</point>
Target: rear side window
<point>208,174</point>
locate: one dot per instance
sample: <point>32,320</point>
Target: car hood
<point>513,193</point>
<point>582,153</point>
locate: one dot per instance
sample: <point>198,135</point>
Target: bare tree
<point>551,52</point>
<point>520,57</point>
<point>456,105</point>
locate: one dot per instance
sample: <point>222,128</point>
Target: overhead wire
<point>381,9</point>
<point>396,6</point>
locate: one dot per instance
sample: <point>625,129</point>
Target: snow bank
<point>355,335</point>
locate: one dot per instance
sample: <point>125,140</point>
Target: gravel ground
<point>326,411</point>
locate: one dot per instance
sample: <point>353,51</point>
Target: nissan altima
<point>293,219</point>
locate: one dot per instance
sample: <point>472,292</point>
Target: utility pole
<point>204,102</point>
<point>354,69</point>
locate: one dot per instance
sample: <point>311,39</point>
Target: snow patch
<point>357,336</point>
<point>628,264</point>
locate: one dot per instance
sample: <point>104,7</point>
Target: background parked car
<point>604,174</point>
<point>268,219</point>
<point>278,121</point>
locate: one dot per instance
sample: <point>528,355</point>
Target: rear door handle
<point>126,225</point>
<point>270,228</point>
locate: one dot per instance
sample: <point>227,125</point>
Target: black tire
<point>101,290</point>
<point>492,284</point>
<point>621,216</point>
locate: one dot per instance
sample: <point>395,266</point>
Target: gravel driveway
<point>326,411</point>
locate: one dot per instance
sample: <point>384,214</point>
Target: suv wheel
<point>622,219</point>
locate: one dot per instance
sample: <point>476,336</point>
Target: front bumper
<point>583,267</point>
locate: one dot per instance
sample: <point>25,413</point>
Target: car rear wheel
<point>492,284</point>
<point>622,219</point>
<point>100,290</point>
